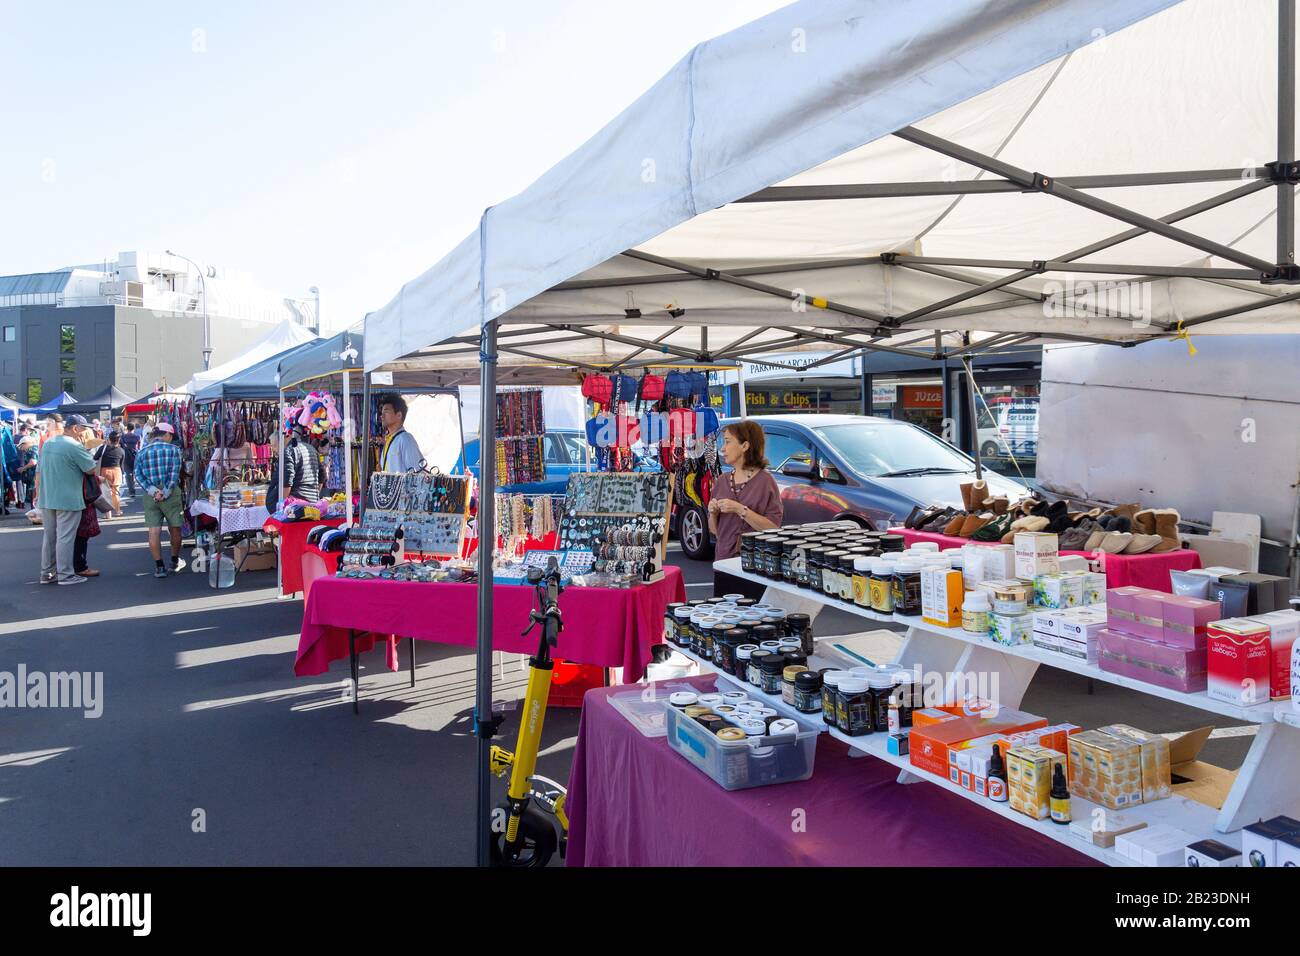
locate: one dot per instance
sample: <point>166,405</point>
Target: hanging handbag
<point>624,388</point>
<point>95,493</point>
<point>677,384</point>
<point>598,388</point>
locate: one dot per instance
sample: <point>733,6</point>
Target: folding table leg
<point>412,646</point>
<point>356,671</point>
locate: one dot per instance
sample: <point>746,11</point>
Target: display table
<point>607,627</point>
<point>634,802</point>
<point>248,518</point>
<point>1122,570</point>
<point>293,542</point>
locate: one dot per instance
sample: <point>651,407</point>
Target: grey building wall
<point>131,348</point>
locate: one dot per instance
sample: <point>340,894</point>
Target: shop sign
<point>884,394</point>
<point>922,396</point>
<point>787,398</point>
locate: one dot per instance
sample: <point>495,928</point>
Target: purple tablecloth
<point>634,802</point>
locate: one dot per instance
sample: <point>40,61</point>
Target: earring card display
<point>621,517</point>
<point>426,512</point>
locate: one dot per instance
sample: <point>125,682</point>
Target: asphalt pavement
<point>209,751</point>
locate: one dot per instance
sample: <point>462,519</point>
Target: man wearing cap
<point>158,472</point>
<point>64,463</point>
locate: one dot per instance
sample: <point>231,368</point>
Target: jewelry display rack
<point>621,517</point>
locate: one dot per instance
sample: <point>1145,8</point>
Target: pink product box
<point>1120,615</point>
<point>1186,620</point>
<point>1177,668</point>
<point>1149,615</point>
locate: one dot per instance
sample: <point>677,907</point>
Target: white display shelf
<point>1195,818</point>
<point>771,700</point>
<point>1256,714</point>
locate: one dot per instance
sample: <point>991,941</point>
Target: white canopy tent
<point>949,177</point>
<point>280,339</point>
<point>760,175</point>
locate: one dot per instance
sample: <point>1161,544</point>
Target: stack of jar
<point>866,700</point>
<point>787,554</point>
<point>715,629</point>
<point>733,715</point>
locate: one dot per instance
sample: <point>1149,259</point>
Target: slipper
<point>994,530</point>
<point>1142,543</point>
<point>910,520</point>
<point>1125,511</point>
<point>998,505</point>
<point>1144,522</point>
<point>1074,539</point>
<point>1166,520</point>
<point>953,528</point>
<point>1095,539</point>
<point>937,523</point>
<point>1115,542</point>
<point>973,523</point>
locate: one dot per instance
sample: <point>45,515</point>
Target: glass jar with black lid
<point>799,625</point>
<point>754,672</point>
<point>770,671</point>
<point>787,559</point>
<point>724,648</point>
<point>816,560</point>
<point>771,564</point>
<point>845,579</point>
<point>747,543</point>
<point>831,573</point>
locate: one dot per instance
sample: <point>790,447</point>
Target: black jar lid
<point>893,542</point>
<point>745,602</point>
<point>796,657</point>
<point>764,632</point>
<point>773,663</point>
<point>735,636</point>
<point>808,680</point>
<point>757,656</point>
<point>796,619</point>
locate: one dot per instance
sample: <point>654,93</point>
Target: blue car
<point>872,470</point>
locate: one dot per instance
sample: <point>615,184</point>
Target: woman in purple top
<point>745,499</point>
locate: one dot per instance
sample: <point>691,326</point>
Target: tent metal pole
<point>1239,309</point>
<point>983,283</point>
<point>631,355</point>
<point>279,492</point>
<point>347,447</point>
<point>485,727</point>
<point>363,486</point>
<point>1049,185</point>
<point>977,186</point>
<point>624,339</point>
<point>1285,129</point>
<point>577,285</point>
<point>740,389</point>
<point>1112,268</point>
<point>970,412</point>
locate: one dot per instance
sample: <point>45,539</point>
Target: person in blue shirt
<point>399,451</point>
<point>158,473</point>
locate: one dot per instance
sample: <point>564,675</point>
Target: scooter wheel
<point>536,847</point>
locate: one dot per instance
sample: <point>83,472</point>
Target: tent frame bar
<point>1049,185</point>
<point>837,191</point>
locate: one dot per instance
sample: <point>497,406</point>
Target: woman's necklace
<point>735,485</point>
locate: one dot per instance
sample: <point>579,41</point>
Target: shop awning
<point>970,176</point>
<point>258,382</point>
<point>280,339</point>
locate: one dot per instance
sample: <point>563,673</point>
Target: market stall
<point>790,202</point>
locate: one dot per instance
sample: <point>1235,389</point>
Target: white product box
<point>999,562</point>
<point>1094,588</point>
<point>1036,553</point>
<point>1072,563</point>
<point>1212,853</point>
<point>1287,850</point>
<point>1047,622</point>
<point>972,565</point>
<point>1259,841</point>
<point>1061,645</point>
<point>1283,631</point>
<point>1156,845</point>
<point>1058,590</point>
<point>1011,630</point>
<point>1081,623</point>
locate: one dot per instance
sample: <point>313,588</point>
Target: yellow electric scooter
<point>522,834</point>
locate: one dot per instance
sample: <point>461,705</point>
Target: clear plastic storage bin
<point>741,764</point>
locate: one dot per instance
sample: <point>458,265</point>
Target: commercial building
<point>135,322</point>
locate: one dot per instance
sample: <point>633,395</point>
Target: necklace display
<point>416,512</point>
<point>621,518</point>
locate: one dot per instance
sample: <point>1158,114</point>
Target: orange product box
<point>930,715</point>
<point>928,746</point>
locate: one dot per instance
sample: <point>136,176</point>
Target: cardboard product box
<point>1029,779</point>
<point>1081,624</point>
<point>1212,853</point>
<point>1105,828</point>
<point>1011,630</point>
<point>1233,596</point>
<point>941,596</point>
<point>1094,588</point>
<point>1120,615</point>
<point>929,744</point>
<point>1158,845</point>
<point>1287,850</point>
<point>1185,621</point>
<point>1061,645</point>
<point>1105,769</point>
<point>1058,590</point>
<point>1264,592</point>
<point>1238,661</point>
<point>1155,759</point>
<point>930,715</point>
<point>972,565</point>
<point>1176,668</point>
<point>1259,840</point>
<point>1283,630</point>
<point>1036,553</point>
<point>1047,622</point>
<point>1149,615</point>
<point>255,556</point>
<point>1072,564</point>
<point>999,562</point>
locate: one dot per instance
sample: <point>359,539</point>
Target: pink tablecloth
<point>293,542</point>
<point>1122,570</point>
<point>602,626</point>
<point>634,802</point>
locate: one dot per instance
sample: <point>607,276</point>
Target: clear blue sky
<point>341,145</point>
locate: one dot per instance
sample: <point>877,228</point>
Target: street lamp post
<point>316,293</point>
<point>207,327</point>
